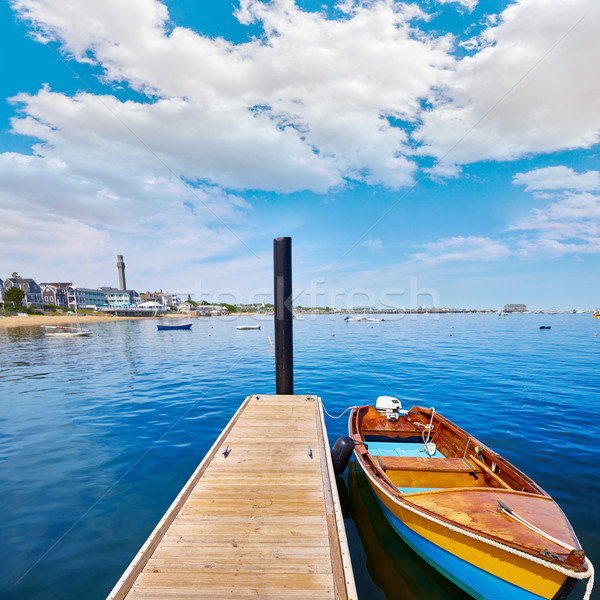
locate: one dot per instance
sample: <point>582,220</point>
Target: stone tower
<point>121,269</point>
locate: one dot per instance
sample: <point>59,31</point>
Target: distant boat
<point>299,318</point>
<point>597,314</point>
<point>374,319</point>
<point>552,311</point>
<point>353,319</point>
<point>66,332</point>
<point>241,327</point>
<point>545,327</point>
<point>502,315</point>
<point>163,327</point>
<point>463,508</point>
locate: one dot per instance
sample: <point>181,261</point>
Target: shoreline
<point>39,320</point>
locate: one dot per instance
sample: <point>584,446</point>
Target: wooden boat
<point>164,327</point>
<point>463,508</point>
<point>243,327</point>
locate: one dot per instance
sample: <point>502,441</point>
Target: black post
<point>284,342</point>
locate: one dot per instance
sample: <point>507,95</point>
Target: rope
<point>426,431</point>
<point>349,408</point>
<point>519,519</point>
<point>589,573</point>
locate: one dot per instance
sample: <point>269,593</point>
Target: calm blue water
<point>98,435</point>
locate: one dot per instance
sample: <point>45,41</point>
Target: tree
<point>15,275</point>
<point>15,295</point>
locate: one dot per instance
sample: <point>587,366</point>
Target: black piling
<point>284,351</point>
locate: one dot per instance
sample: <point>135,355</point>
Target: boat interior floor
<point>413,470</point>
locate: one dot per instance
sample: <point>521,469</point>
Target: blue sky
<point>428,153</point>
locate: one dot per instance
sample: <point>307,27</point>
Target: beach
<point>38,320</point>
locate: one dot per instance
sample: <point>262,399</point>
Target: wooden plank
<point>424,463</point>
<point>263,521</point>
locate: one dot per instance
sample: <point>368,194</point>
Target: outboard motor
<point>341,453</point>
<point>390,407</point>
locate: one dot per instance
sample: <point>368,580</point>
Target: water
<point>98,435</point>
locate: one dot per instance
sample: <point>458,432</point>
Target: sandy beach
<point>37,320</point>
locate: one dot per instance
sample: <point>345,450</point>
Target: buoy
<point>341,453</point>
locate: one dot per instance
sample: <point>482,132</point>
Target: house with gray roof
<point>33,292</point>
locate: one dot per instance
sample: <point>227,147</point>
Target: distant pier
<point>259,518</point>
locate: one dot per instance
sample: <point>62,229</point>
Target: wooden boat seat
<point>411,463</point>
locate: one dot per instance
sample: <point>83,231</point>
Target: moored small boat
<point>164,327</point>
<point>463,508</point>
<point>243,327</point>
<point>65,332</point>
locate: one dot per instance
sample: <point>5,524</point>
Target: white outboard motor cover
<point>389,404</point>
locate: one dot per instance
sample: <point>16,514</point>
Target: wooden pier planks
<point>262,522</point>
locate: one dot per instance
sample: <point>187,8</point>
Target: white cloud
<point>302,108</point>
<point>64,222</point>
<point>373,244</point>
<point>570,221</point>
<point>558,178</point>
<point>468,4</point>
<point>459,248</point>
<point>530,89</point>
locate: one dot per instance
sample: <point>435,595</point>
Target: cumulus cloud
<point>310,104</point>
<point>461,248</point>
<point>468,4</point>
<point>302,108</point>
<point>529,88</point>
<point>570,221</point>
<point>558,178</point>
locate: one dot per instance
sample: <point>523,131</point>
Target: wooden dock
<point>259,518</point>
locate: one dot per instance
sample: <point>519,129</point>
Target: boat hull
<point>454,555</point>
<point>165,327</point>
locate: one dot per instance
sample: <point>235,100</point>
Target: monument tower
<point>121,269</point>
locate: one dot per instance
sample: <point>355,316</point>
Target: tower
<point>121,269</point>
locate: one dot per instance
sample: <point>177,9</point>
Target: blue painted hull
<point>476,582</point>
<point>163,327</point>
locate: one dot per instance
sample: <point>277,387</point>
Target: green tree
<point>14,295</point>
<point>15,275</point>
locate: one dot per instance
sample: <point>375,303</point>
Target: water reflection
<point>391,564</point>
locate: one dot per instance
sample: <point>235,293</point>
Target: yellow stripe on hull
<point>523,573</point>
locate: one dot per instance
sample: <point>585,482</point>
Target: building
<point>151,308</point>
<point>33,292</point>
<point>56,293</point>
<point>121,298</point>
<point>515,308</point>
<point>164,298</point>
<point>80,297</point>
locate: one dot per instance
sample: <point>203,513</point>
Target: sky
<point>433,153</point>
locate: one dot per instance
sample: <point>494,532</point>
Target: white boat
<point>353,319</point>
<point>66,332</point>
<point>374,319</point>
<point>241,327</point>
<point>299,318</point>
